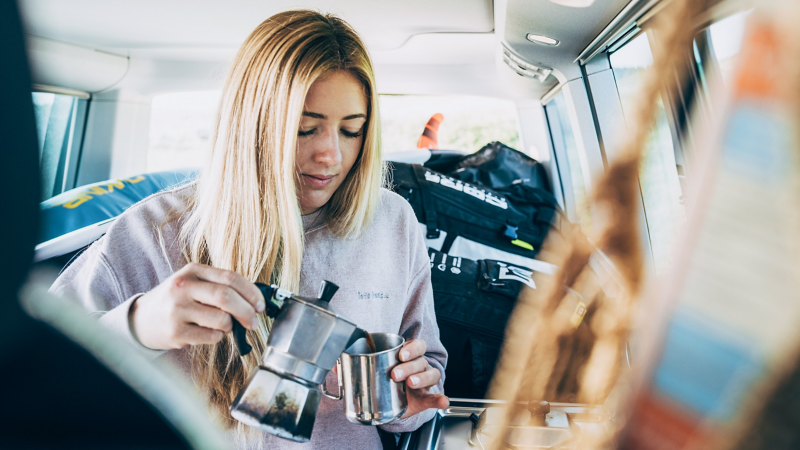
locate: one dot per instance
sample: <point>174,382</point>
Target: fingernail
<point>261,306</point>
<point>254,323</point>
<point>398,373</point>
<point>414,379</point>
<point>404,355</point>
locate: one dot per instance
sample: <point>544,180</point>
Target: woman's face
<point>329,138</point>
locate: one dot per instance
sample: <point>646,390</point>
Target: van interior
<point>123,89</point>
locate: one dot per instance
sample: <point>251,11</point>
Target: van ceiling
<point>573,27</point>
<point>419,46</point>
<point>147,24</point>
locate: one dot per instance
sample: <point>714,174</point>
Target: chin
<point>314,203</point>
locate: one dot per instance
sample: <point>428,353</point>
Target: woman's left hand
<point>419,377</point>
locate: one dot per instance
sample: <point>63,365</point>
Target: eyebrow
<point>322,116</point>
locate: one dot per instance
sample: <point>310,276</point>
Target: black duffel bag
<point>496,165</point>
<point>473,301</point>
<point>517,225</point>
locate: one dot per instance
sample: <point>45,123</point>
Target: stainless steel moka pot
<point>308,335</point>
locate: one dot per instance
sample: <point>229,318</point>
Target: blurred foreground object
<point>58,393</point>
<point>729,309</point>
<point>102,390</point>
<point>546,355</point>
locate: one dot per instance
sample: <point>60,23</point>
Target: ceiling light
<point>539,39</point>
<point>573,3</point>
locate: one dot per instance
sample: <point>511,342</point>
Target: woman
<point>291,195</point>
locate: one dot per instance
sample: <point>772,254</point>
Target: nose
<point>327,150</point>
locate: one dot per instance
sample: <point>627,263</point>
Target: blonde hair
<point>244,215</point>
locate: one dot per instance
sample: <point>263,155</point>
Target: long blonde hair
<point>244,215</point>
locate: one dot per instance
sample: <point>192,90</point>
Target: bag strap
<point>403,191</point>
<point>427,202</point>
<point>552,217</point>
<point>545,215</point>
<point>448,241</point>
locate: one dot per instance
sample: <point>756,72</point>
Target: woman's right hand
<point>194,306</point>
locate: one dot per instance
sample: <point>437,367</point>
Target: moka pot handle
<point>272,308</point>
<point>240,338</point>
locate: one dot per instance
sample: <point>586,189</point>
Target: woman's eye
<point>306,132</point>
<point>352,135</point>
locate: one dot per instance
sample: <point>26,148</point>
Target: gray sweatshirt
<point>383,277</point>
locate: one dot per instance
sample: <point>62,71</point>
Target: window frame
<point>688,105</point>
<point>560,154</point>
<point>677,111</point>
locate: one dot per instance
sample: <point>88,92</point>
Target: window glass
<point>659,173</point>
<point>181,127</point>
<point>55,126</point>
<point>701,71</point>
<point>726,38</point>
<point>470,122</point>
<point>42,105</point>
<point>559,120</point>
<point>181,124</point>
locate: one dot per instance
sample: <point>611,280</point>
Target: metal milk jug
<point>281,397</point>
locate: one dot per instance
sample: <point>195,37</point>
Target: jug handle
<point>325,392</point>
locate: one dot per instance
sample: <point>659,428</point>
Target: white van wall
<point>118,121</point>
<point>117,137</point>
<point>70,66</point>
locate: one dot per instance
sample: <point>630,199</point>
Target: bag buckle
<point>511,232</point>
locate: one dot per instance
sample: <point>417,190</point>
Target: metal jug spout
<point>357,334</point>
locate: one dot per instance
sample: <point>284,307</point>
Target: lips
<point>318,181</point>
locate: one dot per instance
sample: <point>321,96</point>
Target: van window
<point>659,173</point>
<point>564,143</point>
<point>470,122</point>
<point>181,124</point>
<point>181,127</point>
<point>59,127</point>
<point>726,39</point>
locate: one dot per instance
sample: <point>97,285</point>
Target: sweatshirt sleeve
<point>90,282</point>
<point>419,322</point>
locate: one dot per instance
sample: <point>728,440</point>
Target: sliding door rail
<point>622,24</point>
